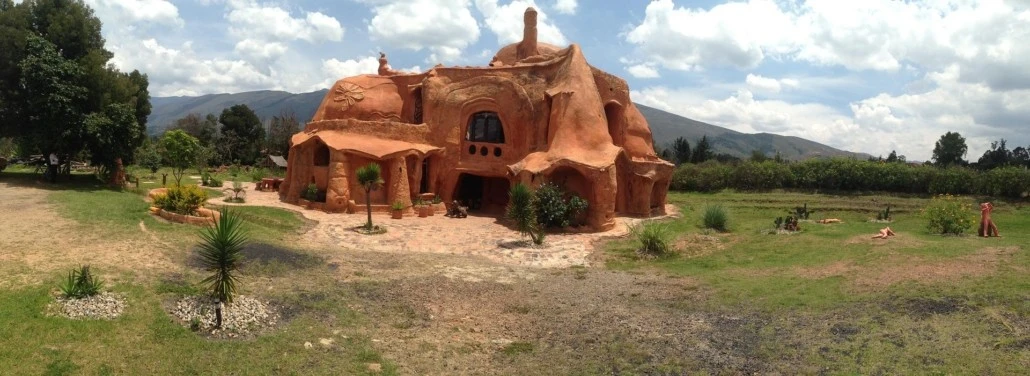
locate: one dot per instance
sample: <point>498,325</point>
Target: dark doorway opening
<point>423,186</point>
<point>481,193</point>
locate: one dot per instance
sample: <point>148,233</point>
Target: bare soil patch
<point>899,269</point>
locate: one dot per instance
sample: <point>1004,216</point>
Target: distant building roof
<point>278,160</point>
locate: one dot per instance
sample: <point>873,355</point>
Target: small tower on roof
<point>528,46</point>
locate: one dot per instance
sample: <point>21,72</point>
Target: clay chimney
<point>527,47</point>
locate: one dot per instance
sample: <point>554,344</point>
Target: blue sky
<point>870,76</point>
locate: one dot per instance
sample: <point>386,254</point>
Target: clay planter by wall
<point>431,210</point>
<point>423,211</point>
<point>397,213</point>
<point>302,202</point>
<point>206,217</point>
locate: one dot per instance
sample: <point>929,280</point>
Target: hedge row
<point>842,174</point>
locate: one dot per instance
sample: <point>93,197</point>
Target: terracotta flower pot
<point>397,214</point>
<point>431,210</point>
<point>423,211</point>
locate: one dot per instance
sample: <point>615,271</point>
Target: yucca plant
<point>714,218</point>
<point>654,239</point>
<point>370,177</point>
<point>81,283</point>
<point>235,194</point>
<point>521,209</point>
<point>220,253</point>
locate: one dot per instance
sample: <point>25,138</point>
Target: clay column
<point>338,188</point>
<point>528,46</point>
<point>601,212</point>
<point>399,190</point>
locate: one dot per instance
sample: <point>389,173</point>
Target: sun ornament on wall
<point>348,94</point>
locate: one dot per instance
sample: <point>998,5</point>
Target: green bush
<point>948,214</point>
<point>1005,181</point>
<point>81,283</point>
<point>714,217</point>
<point>258,173</point>
<point>557,208</point>
<point>521,210</point>
<point>213,182</point>
<point>953,180</point>
<point>311,193</point>
<point>185,199</point>
<point>654,239</point>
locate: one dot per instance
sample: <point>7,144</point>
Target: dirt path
<point>37,243</point>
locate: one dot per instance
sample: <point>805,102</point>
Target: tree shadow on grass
<point>74,182</point>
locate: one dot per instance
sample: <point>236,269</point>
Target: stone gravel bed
<point>244,316</point>
<point>103,306</point>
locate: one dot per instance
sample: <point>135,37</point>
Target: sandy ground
<point>477,235</point>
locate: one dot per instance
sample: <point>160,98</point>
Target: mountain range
<point>665,126</point>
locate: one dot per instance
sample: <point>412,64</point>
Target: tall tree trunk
<point>368,205</point>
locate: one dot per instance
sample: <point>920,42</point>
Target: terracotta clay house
<point>537,113</point>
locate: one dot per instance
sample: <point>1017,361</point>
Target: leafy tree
<point>112,134</point>
<point>51,99</point>
<point>179,151</point>
<point>702,151</point>
<point>950,150</point>
<point>283,128</point>
<point>148,156</point>
<point>522,210</point>
<point>997,156</point>
<point>681,150</point>
<point>758,156</point>
<point>220,254</point>
<point>370,177</point>
<point>204,129</point>
<point>242,134</point>
<point>1021,156</point>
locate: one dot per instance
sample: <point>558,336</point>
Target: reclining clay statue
<point>457,211</point>
<point>987,227</point>
<point>884,233</point>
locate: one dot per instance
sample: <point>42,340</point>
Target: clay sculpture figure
<point>987,227</point>
<point>535,113</point>
<point>885,233</point>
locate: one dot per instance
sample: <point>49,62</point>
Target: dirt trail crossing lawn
<point>440,296</point>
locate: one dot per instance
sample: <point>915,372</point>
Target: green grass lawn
<point>145,339</point>
<point>947,314</point>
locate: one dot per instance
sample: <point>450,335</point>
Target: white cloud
<point>250,20</point>
<point>908,123</point>
<point>987,38</point>
<point>260,50</point>
<point>335,69</point>
<point>445,27</point>
<point>179,71</point>
<point>565,6</point>
<point>125,12</point>
<point>506,21</point>
<point>643,71</point>
<point>759,83</point>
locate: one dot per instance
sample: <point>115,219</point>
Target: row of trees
<point>237,135</point>
<point>847,174</point>
<point>58,94</point>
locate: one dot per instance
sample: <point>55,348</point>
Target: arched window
<point>485,127</point>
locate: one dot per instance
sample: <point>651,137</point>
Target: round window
<point>497,151</point>
<point>472,149</point>
<point>482,151</point>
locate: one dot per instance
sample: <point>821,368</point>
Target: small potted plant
<point>423,209</point>
<point>397,210</point>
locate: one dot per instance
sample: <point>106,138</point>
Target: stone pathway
<point>483,236</point>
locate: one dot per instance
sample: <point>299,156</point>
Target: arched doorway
<point>613,114</point>
<point>482,193</point>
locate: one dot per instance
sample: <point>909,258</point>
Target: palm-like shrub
<point>521,209</point>
<point>220,254</point>
<point>235,194</point>
<point>714,217</point>
<point>81,283</point>
<point>654,239</point>
<point>370,177</point>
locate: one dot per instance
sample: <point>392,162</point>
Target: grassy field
<point>826,300</point>
<point>838,300</point>
<point>146,340</point>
